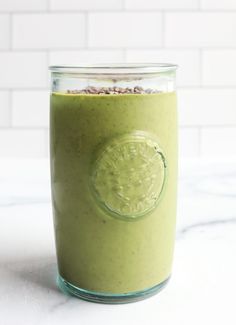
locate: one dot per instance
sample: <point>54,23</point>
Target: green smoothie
<point>113,170</point>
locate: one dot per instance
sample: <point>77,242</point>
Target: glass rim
<point>115,68</point>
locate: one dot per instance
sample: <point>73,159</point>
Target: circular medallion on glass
<point>129,175</point>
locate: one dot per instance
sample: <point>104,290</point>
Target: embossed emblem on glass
<point>129,175</point>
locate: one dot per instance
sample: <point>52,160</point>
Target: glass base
<point>108,298</point>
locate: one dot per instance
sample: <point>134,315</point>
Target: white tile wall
<point>22,143</point>
<point>199,35</point>
<point>200,29</point>
<point>189,142</point>
<point>162,4</point>
<point>30,108</point>
<point>124,29</point>
<point>43,31</point>
<point>219,67</point>
<point>85,56</point>
<point>5,118</point>
<point>218,4</point>
<point>188,60</point>
<point>207,107</point>
<point>86,4</point>
<point>218,141</point>
<point>4,31</point>
<point>23,70</point>
<point>23,5</point>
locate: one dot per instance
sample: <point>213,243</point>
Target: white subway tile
<point>219,67</point>
<point>125,30</point>
<point>4,109</point>
<point>22,143</point>
<point>218,141</point>
<point>188,142</point>
<point>161,4</point>
<point>30,108</point>
<point>207,107</point>
<point>218,4</point>
<point>188,73</point>
<point>23,5</point>
<point>4,31</point>
<point>86,4</point>
<point>23,69</point>
<point>85,56</point>
<point>39,31</point>
<point>200,29</point>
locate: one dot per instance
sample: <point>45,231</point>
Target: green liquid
<point>103,243</point>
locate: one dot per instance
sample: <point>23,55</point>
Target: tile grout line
<point>123,5</point>
<point>209,126</point>
<point>10,94</point>
<point>47,58</point>
<point>47,69</point>
<point>200,6</point>
<point>200,141</point>
<point>10,32</point>
<point>199,10</point>
<point>24,89</point>
<point>163,24</point>
<point>125,55</point>
<point>207,87</point>
<point>45,129</point>
<point>26,128</point>
<point>133,48</point>
<point>48,6</point>
<point>201,67</point>
<point>86,17</point>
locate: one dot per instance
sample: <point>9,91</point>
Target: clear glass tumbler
<point>113,143</point>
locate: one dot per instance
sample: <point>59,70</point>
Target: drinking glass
<point>113,153</point>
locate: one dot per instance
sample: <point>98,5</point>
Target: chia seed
<point>113,90</point>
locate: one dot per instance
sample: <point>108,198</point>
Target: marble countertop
<point>202,289</point>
